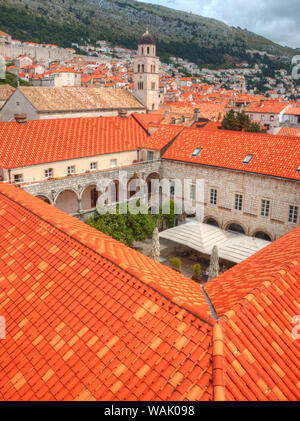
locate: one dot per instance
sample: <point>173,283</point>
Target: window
<point>141,85</point>
<point>113,163</point>
<point>262,118</point>
<point>139,68</point>
<point>272,118</point>
<point>153,86</point>
<point>193,192</point>
<point>293,214</point>
<point>93,166</point>
<point>213,197</point>
<point>172,188</point>
<point>18,178</point>
<point>150,156</point>
<point>148,50</point>
<point>238,202</point>
<point>265,208</point>
<point>71,170</point>
<point>49,173</point>
<point>298,170</point>
<point>247,159</point>
<point>197,152</point>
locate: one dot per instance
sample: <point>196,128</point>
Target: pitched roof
<point>162,137</point>
<point>146,119</point>
<point>47,99</point>
<point>287,131</point>
<point>6,91</point>
<point>277,156</point>
<point>268,107</point>
<point>41,141</point>
<point>256,302</point>
<point>88,318</point>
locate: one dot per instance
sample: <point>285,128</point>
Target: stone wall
<point>37,53</point>
<point>281,193</point>
<point>254,188</point>
<point>78,184</point>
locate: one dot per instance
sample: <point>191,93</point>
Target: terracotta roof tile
<point>117,332</point>
<point>70,325</point>
<point>228,149</point>
<point>45,99</point>
<point>42,141</point>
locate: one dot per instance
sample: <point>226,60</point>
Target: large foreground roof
<point>87,318</point>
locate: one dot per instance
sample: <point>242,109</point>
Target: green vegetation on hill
<point>201,40</point>
<point>12,80</point>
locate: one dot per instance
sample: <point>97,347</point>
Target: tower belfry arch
<point>146,72</point>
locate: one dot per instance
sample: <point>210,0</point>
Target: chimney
<point>122,113</point>
<point>197,114</point>
<point>21,118</point>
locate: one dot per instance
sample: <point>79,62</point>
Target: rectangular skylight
<point>247,159</point>
<point>197,152</point>
<point>298,170</point>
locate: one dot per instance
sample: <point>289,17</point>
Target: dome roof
<point>147,38</point>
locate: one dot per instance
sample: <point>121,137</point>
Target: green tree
<point>175,263</point>
<point>239,122</point>
<point>125,228</point>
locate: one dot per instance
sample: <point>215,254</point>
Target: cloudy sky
<point>278,20</point>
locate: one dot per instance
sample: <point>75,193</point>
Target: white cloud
<point>277,20</point>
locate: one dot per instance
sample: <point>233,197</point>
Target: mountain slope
<point>202,40</point>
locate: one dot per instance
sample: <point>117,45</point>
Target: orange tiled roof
<point>42,141</point>
<point>287,131</point>
<point>146,119</point>
<point>277,156</point>
<point>256,302</point>
<point>88,318</point>
<point>269,107</point>
<point>162,137</point>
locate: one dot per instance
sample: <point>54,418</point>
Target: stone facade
<point>76,188</point>
<point>37,53</point>
<point>253,187</point>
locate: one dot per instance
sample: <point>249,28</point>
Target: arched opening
<point>262,235</point>
<point>44,199</point>
<point>152,176</point>
<point>67,201</point>
<point>212,222</point>
<point>113,192</point>
<point>139,68</point>
<point>133,187</point>
<point>143,68</point>
<point>236,228</point>
<point>89,197</point>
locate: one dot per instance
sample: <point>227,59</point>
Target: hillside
<point>202,40</point>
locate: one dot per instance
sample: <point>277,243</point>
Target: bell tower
<point>146,73</point>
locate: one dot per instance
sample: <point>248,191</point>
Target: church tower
<point>146,73</point>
